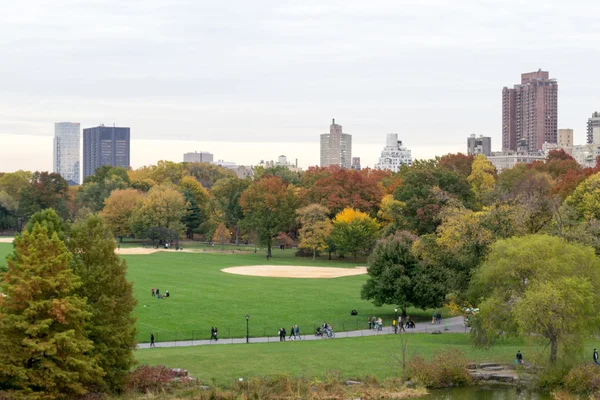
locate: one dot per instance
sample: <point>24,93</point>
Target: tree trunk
<point>403,313</point>
<point>237,235</point>
<point>553,350</point>
<point>314,253</point>
<point>121,239</point>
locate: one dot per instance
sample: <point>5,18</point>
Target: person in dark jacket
<point>152,340</point>
<point>596,357</point>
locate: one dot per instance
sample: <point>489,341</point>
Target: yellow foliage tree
<point>354,232</point>
<point>315,228</point>
<point>118,209</point>
<point>221,235</point>
<point>482,178</point>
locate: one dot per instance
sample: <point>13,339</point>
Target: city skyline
<point>271,73</point>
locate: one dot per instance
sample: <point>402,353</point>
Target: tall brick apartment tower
<point>530,112</point>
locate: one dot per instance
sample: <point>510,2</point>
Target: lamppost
<point>247,330</point>
<point>396,313</point>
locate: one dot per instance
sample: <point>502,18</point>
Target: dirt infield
<point>6,240</point>
<point>136,251</point>
<point>293,271</point>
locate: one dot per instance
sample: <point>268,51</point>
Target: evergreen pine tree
<point>44,349</point>
<point>109,296</point>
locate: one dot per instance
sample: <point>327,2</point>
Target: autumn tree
<point>315,228</point>
<point>109,295</point>
<point>281,171</point>
<point>159,216</point>
<point>118,211</point>
<point>390,215</point>
<point>482,178</point>
<point>585,200</point>
<point>459,163</point>
<point>44,348</point>
<point>269,207</point>
<point>396,276</point>
<point>208,174</point>
<point>221,235</point>
<point>338,188</point>
<point>538,285</point>
<point>46,190</point>
<point>354,232</point>
<point>425,189</point>
<point>226,193</point>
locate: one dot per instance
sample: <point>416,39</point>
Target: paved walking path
<point>454,325</point>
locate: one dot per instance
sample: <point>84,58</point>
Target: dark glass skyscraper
<point>105,145</point>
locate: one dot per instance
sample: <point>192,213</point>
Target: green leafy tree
<point>354,232</point>
<point>50,220</point>
<point>110,298</point>
<point>539,285</point>
<point>396,276</point>
<point>44,348</point>
<point>97,187</point>
<point>160,214</point>
<point>269,207</point>
<point>284,173</point>
<point>426,188</point>
<point>315,228</point>
<point>226,193</point>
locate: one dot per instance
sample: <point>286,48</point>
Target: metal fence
<point>270,334</point>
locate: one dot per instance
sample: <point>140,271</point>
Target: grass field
<point>353,357</point>
<point>202,296</point>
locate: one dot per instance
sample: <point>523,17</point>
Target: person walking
<point>439,318</point>
<point>298,333</point>
<point>519,357</point>
<point>292,332</point>
<point>370,323</point>
<point>401,324</point>
<point>157,292</point>
<point>433,318</point>
<point>394,325</point>
<point>281,334</point>
<point>152,340</point>
<point>153,293</point>
<point>379,324</point>
<point>596,357</point>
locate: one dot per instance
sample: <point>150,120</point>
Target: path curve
<point>454,325</point>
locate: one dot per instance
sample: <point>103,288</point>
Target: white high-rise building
<point>66,160</point>
<point>336,147</point>
<point>394,155</point>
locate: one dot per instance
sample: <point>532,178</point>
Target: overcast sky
<point>253,79</point>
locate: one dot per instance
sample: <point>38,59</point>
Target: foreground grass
<point>202,296</point>
<point>353,357</point>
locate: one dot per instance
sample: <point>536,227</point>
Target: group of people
<point>156,293</point>
<point>294,333</point>
<point>325,330</point>
<point>375,324</point>
<point>436,318</point>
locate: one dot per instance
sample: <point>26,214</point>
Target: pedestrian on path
<point>519,357</point>
<point>152,340</point>
<point>439,318</point>
<point>370,323</point>
<point>596,357</point>
<point>401,324</point>
<point>434,318</point>
<point>292,332</point>
<point>394,324</point>
<point>297,334</point>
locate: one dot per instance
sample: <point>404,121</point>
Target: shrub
<point>150,379</point>
<point>448,368</point>
<point>584,378</point>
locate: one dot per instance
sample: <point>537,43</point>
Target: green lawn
<point>5,249</point>
<point>353,357</point>
<point>202,296</point>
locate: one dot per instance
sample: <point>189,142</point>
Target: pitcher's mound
<point>292,271</point>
